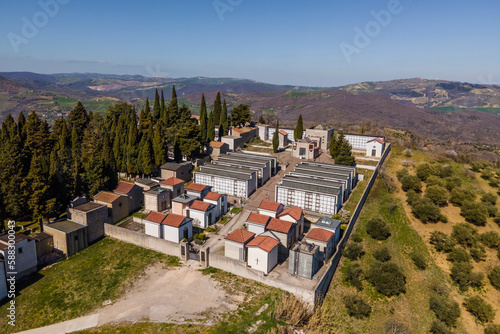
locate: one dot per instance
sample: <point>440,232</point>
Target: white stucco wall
<point>26,260</point>
<point>374,145</point>
<point>255,228</point>
<point>268,213</point>
<point>152,229</point>
<point>261,260</point>
<point>199,216</point>
<point>175,234</point>
<point>233,249</point>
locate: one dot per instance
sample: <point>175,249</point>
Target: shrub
<point>382,254</point>
<point>353,251</point>
<point>291,310</point>
<point>492,329</point>
<point>442,242</point>
<point>410,182</point>
<point>425,170</point>
<point>497,221</point>
<point>479,308</point>
<point>475,213</point>
<point>353,276</point>
<point>387,278</point>
<point>211,229</point>
<point>478,252</point>
<point>490,239</point>
<point>444,171</point>
<point>459,254</point>
<point>412,197</point>
<point>357,237</point>
<point>476,279</point>
<point>461,195</point>
<point>437,194</point>
<point>438,327</point>
<point>434,180</point>
<point>465,234</point>
<point>461,273</point>
<point>491,209</point>
<point>489,198</point>
<point>401,173</point>
<point>357,307</point>
<point>453,182</point>
<point>419,261</point>
<point>426,211</point>
<point>446,309</point>
<point>494,277</point>
<point>378,229</point>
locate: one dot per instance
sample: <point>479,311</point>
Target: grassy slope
<point>78,285</point>
<point>410,309</point>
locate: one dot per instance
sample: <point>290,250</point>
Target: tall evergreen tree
<point>160,148</point>
<point>156,107</point>
<point>223,123</point>
<point>189,139</point>
<point>334,146</point>
<point>145,118</point>
<point>21,121</point>
<point>217,109</point>
<point>211,127</point>
<point>276,139</point>
<point>203,118</point>
<point>240,115</point>
<point>177,152</point>
<point>163,109</point>
<point>79,118</point>
<point>184,115</point>
<point>147,157</point>
<point>132,152</point>
<point>262,120</point>
<point>172,109</point>
<point>38,140</point>
<point>299,129</point>
<point>344,156</point>
<point>110,172</point>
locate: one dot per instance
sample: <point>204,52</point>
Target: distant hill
<point>435,109</point>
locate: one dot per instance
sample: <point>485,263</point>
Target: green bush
<point>490,239</point>
<point>356,306</point>
<point>412,197</point>
<point>497,221</point>
<point>387,278</point>
<point>419,261</point>
<point>357,237</point>
<point>492,329</point>
<point>410,182</point>
<point>353,275</point>
<point>401,173</point>
<point>210,229</point>
<point>353,251</point>
<point>479,308</point>
<point>491,209</point>
<point>434,180</point>
<point>378,229</point>
<point>461,195</point>
<point>478,252</point>
<point>442,242</point>
<point>444,171</point>
<point>446,309</point>
<point>438,327</point>
<point>459,254</point>
<point>475,213</point>
<point>425,170</point>
<point>461,273</point>
<point>465,234</point>
<point>453,182</point>
<point>476,279</point>
<point>382,254</point>
<point>489,198</point>
<point>426,211</point>
<point>494,277</point>
<point>437,194</point>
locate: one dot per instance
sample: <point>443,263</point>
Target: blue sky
<point>292,42</point>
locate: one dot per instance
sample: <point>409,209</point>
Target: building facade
<point>69,237</point>
<point>94,216</point>
<point>157,199</point>
<point>178,170</point>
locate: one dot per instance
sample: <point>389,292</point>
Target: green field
<point>76,286</point>
<point>454,108</point>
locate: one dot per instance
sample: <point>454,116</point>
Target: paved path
<point>69,326</point>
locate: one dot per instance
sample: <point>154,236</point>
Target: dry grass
<point>288,308</point>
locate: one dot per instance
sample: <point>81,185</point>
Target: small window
<point>76,238</point>
<point>120,204</point>
<point>20,250</point>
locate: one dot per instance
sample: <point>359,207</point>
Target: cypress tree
<point>299,129</point>
<point>334,146</point>
<point>172,109</point>
<point>189,139</point>
<point>147,163</point>
<point>145,118</point>
<point>156,107</point>
<point>79,118</point>
<point>344,156</point>
<point>217,109</point>
<point>132,149</point>
<point>211,127</point>
<point>21,121</point>
<point>177,152</point>
<point>160,148</point>
<point>262,120</point>
<point>38,186</point>
<point>203,118</point>
<point>110,172</point>
<point>276,139</point>
<point>223,123</point>
<point>163,109</point>
<point>184,115</point>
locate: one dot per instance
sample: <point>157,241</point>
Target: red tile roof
<point>377,139</point>
<point>196,187</point>
<point>279,225</point>
<point>172,181</point>
<point>320,234</point>
<point>295,212</point>
<point>216,144</point>
<point>258,218</point>
<point>264,243</point>
<point>124,187</point>
<point>211,196</point>
<point>174,220</point>
<point>199,205</point>
<point>156,217</point>
<point>284,133</point>
<point>106,196</point>
<point>269,205</point>
<point>240,235</point>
